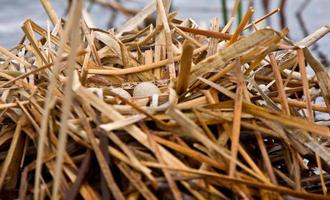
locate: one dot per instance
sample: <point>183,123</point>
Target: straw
<point>226,113</point>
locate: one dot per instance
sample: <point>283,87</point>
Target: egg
<point>121,92</point>
<point>145,89</point>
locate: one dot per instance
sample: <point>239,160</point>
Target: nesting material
<point>236,122</point>
<point>121,92</point>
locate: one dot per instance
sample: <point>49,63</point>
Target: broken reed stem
<point>34,71</point>
<point>187,126</point>
<point>302,68</point>
<point>10,154</point>
<point>102,162</point>
<point>73,26</point>
<point>321,74</point>
<point>213,42</point>
<point>27,28</point>
<point>174,188</point>
<point>48,101</point>
<point>50,11</point>
<point>84,70</point>
<point>186,36</point>
<point>217,176</point>
<point>300,104</point>
<point>185,66</point>
<point>228,26</point>
<point>265,156</point>
<point>14,57</point>
<point>136,181</point>
<point>235,9</point>
<point>241,26</point>
<point>207,33</point>
<point>237,119</point>
<point>262,18</point>
<point>168,38</point>
<point>279,84</point>
<point>313,38</point>
<point>310,116</point>
<point>140,68</point>
<point>84,168</point>
<point>262,146</point>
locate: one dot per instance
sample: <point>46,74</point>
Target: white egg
<point>145,89</point>
<point>121,92</point>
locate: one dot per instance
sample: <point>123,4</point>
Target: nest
<point>223,113</point>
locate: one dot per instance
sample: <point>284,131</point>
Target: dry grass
<point>236,117</point>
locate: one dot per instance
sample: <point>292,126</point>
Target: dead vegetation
<point>234,116</point>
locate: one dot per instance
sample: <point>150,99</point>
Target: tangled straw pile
<point>232,115</point>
